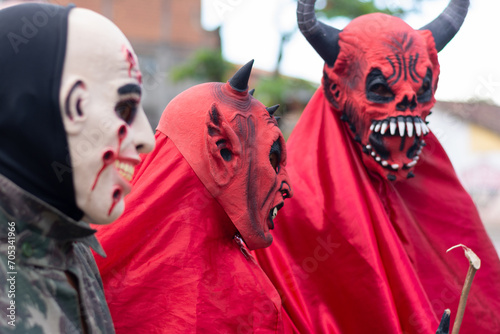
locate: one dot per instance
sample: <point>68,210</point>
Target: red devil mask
<point>380,77</point>
<point>234,145</point>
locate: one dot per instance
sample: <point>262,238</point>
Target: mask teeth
<point>417,156</point>
<point>274,213</point>
<point>125,170</point>
<point>401,125</point>
<point>394,167</point>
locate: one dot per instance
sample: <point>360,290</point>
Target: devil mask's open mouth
<point>272,214</point>
<point>396,142</point>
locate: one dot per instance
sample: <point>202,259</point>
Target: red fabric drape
<point>354,253</point>
<point>173,265</point>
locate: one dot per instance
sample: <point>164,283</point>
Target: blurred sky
<point>469,63</point>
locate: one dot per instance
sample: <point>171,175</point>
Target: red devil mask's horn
<point>324,39</point>
<point>239,81</point>
<point>446,25</point>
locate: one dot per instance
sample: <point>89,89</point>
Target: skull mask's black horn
<point>239,81</point>
<point>323,38</point>
<point>446,25</point>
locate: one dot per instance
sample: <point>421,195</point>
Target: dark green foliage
<point>352,8</point>
<point>284,91</point>
<point>205,65</point>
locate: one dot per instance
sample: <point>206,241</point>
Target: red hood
<point>173,264</point>
<point>359,254</point>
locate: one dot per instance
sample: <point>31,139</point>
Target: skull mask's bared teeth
<point>409,126</point>
<point>393,125</point>
<point>384,135</point>
<point>394,134</point>
<point>418,128</point>
<point>402,125</point>
<point>377,143</point>
<point>411,164</point>
<point>413,149</point>
<point>383,129</point>
<point>425,129</point>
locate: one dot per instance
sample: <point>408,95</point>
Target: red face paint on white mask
<point>106,126</point>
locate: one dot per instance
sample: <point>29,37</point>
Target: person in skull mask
<point>377,202</point>
<point>178,259</point>
<point>71,129</point>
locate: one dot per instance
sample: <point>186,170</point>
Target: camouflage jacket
<point>39,247</point>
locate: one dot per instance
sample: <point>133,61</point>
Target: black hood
<point>33,146</point>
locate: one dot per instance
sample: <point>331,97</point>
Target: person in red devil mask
<point>178,259</point>
<point>377,202</point>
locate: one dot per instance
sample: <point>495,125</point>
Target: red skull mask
<point>380,77</point>
<point>383,83</point>
<point>235,147</point>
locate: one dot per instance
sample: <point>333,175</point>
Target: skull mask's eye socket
<point>377,89</point>
<point>424,94</point>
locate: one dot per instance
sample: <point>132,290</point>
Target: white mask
<point>100,104</point>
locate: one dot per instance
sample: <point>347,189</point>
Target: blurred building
<point>470,134</point>
<point>164,33</point>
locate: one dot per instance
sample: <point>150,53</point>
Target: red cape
<point>173,265</point>
<point>356,253</point>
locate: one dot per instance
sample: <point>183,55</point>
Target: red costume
<point>178,259</point>
<point>361,247</point>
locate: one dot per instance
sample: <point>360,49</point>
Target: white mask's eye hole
<point>127,109</point>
